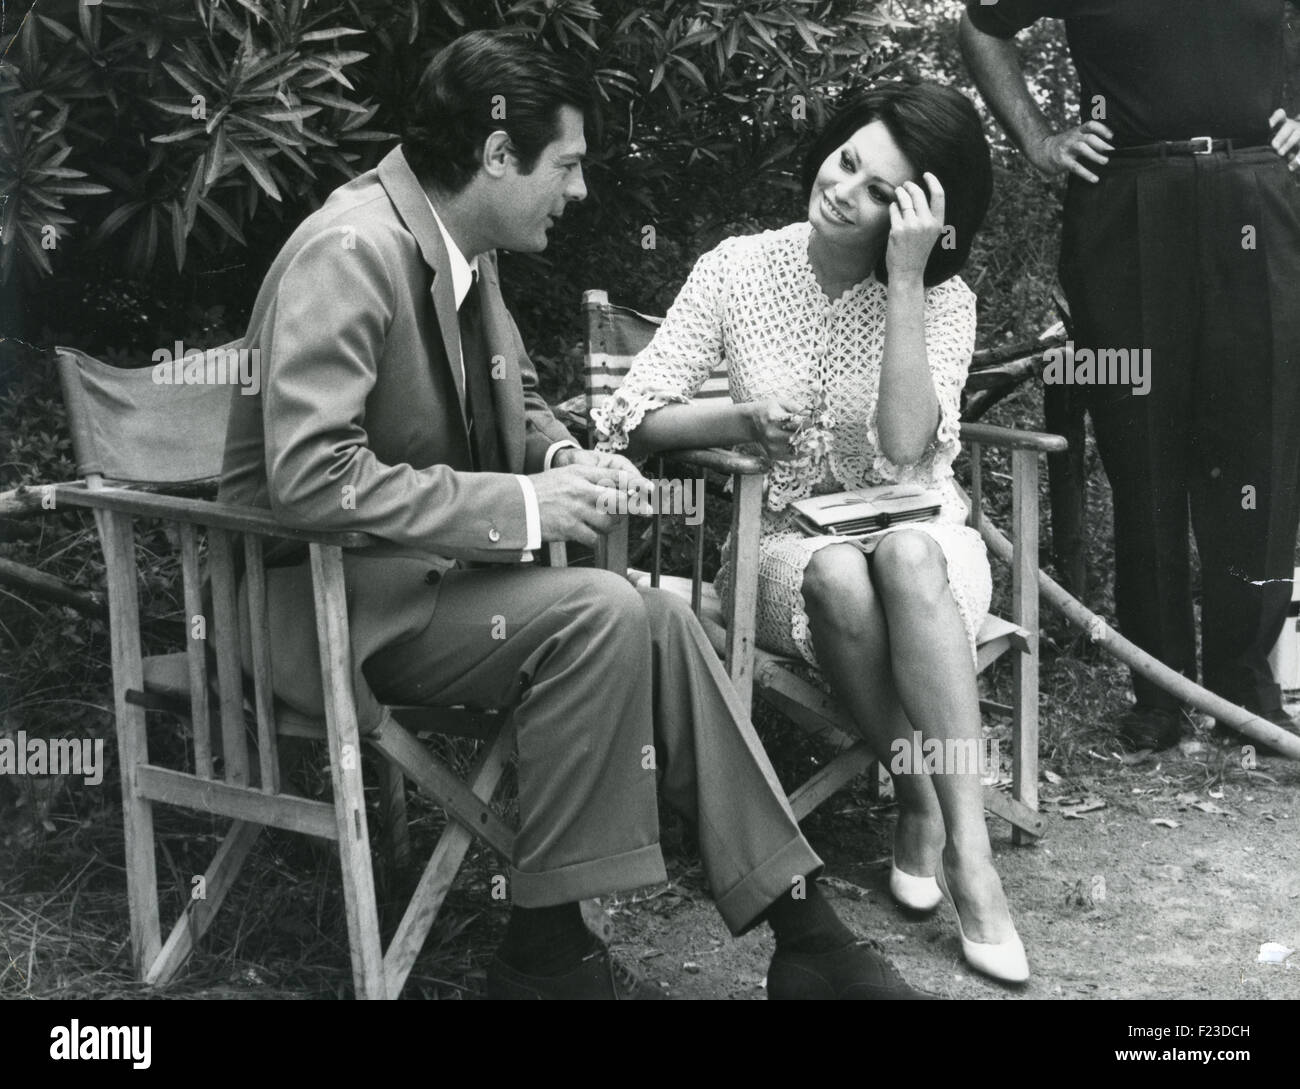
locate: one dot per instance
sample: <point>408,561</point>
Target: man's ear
<point>497,151</point>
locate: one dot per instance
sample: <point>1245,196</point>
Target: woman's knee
<point>910,564</point>
<point>837,590</point>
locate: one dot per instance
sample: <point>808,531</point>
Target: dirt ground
<point>1160,876</point>
<point>1109,903</point>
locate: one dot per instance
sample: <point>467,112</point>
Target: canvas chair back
<point>147,425</point>
<point>614,336</point>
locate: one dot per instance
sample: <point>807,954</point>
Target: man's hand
<point>1286,141</point>
<point>572,455</point>
<point>915,224</point>
<point>1070,151</point>
<point>995,64</point>
<point>578,497</point>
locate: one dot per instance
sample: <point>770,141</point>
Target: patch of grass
<point>281,933</point>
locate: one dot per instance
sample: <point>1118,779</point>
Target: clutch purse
<point>862,513</point>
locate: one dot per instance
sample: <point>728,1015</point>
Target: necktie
<point>479,404</point>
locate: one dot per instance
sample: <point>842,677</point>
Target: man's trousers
<point>610,688</point>
<point>1198,259</point>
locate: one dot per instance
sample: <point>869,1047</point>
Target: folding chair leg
<point>345,772</point>
<point>438,875</point>
<point>1024,603</point>
<point>1024,759</point>
<point>1023,820</point>
<point>460,802</point>
<point>198,914</point>
<point>118,537</point>
<point>833,777</point>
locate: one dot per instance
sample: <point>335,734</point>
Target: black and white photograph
<point>688,500</point>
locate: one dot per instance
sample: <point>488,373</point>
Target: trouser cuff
<point>585,880</point>
<point>742,904</point>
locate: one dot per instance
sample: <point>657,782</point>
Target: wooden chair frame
<point>777,679</point>
<point>206,685</point>
<point>256,801</point>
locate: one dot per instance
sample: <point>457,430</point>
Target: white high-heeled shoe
<point>912,892</point>
<point>1005,961</point>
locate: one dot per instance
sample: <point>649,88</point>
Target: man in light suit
<point>397,399</point>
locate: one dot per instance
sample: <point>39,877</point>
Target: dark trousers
<point>1198,259</point>
<point>611,688</point>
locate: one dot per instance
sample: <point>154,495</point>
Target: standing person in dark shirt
<point>1181,237</point>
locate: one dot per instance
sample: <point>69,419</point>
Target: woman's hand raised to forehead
<point>915,224</point>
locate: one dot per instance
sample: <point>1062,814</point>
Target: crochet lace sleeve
<point>949,344</point>
<point>676,363</point>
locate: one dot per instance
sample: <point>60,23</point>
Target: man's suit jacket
<point>359,422</point>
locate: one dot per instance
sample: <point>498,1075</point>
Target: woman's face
<point>851,195</point>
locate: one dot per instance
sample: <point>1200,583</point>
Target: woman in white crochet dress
<point>847,338</point>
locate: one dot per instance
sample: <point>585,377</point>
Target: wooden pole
<point>26,499</point>
<point>1078,614</point>
<point>39,584</point>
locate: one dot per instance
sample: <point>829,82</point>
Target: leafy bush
<point>188,115</point>
<point>143,137</point>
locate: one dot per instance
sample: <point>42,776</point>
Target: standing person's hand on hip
<point>1286,141</point>
<point>1072,151</point>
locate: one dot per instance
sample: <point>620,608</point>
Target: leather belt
<point>1197,145</point>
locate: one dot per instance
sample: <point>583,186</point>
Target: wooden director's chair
<point>613,336</point>
<point>136,440</point>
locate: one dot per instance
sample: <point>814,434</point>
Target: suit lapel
<point>444,304</point>
<point>507,386</point>
<point>413,206</point>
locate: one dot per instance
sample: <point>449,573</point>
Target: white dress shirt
<point>463,274</point>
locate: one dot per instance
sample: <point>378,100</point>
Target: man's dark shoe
<point>854,971</point>
<point>1277,717</point>
<point>599,977</point>
<point>1153,728</point>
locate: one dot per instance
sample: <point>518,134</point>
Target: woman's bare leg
<point>934,678</point>
<point>848,628</point>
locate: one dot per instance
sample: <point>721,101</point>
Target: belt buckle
<point>1206,141</point>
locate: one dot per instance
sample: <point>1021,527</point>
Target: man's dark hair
<point>477,84</point>
<point>937,129</point>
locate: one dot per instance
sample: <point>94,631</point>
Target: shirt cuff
<point>554,449</point>
<point>532,516</point>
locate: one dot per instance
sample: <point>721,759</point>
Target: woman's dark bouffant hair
<point>937,129</point>
<point>477,84</point>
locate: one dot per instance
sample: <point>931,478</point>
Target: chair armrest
<point>724,461</point>
<point>202,512</point>
<point>1013,439</point>
<point>28,498</point>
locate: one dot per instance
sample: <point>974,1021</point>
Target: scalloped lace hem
<point>623,412</point>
